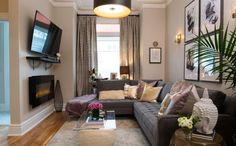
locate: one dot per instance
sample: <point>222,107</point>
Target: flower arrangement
<point>92,75</point>
<point>187,124</point>
<point>58,56</point>
<point>95,105</point>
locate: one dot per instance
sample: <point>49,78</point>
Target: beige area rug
<point>127,133</point>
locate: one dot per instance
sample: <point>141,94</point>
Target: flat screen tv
<point>46,36</point>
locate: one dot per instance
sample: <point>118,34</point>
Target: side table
<point>178,139</point>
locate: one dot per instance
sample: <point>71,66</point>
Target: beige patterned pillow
<point>111,94</point>
<point>141,87</point>
<point>150,94</point>
<point>130,91</point>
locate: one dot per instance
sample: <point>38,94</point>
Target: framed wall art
<point>154,55</point>
<point>190,64</point>
<point>211,15</point>
<point>191,20</point>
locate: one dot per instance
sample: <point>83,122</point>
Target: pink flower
<point>95,105</point>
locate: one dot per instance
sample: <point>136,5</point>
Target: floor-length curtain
<point>130,45</point>
<point>86,53</point>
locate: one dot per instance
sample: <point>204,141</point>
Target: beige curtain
<point>86,53</point>
<point>130,45</point>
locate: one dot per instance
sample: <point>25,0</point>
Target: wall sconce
<point>178,38</point>
<point>234,14</point>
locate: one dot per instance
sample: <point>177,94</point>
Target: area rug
<point>126,134</point>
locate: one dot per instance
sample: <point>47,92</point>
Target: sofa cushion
<point>112,94</point>
<point>121,107</point>
<point>111,84</point>
<point>147,111</point>
<point>166,89</point>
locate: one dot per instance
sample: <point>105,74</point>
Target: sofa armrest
<point>166,127</point>
<point>226,127</point>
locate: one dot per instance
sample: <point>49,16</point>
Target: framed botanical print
<point>190,63</point>
<point>191,20</point>
<point>211,15</point>
<point>154,55</point>
<point>205,68</point>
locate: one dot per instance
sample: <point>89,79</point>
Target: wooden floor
<point>41,134</point>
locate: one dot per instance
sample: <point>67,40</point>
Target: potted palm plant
<point>218,49</point>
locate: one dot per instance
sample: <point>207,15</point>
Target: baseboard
<point>21,129</point>
<point>64,107</point>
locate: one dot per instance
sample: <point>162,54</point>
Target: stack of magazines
<point>198,135</point>
<point>90,121</point>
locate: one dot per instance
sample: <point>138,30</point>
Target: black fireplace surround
<point>41,89</point>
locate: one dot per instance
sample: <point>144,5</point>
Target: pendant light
<point>112,8</point>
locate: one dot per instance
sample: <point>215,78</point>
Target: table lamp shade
<point>124,70</point>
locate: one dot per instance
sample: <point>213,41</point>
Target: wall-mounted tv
<point>46,36</point>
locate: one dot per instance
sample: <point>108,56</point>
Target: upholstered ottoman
<point>78,105</point>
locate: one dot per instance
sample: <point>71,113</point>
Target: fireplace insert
<point>41,89</point>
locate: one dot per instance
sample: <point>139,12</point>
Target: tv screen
<point>46,37</point>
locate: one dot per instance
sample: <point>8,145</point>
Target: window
<point>108,49</point>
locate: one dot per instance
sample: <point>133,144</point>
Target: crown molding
<point>63,4</point>
<point>168,2</point>
<point>153,6</point>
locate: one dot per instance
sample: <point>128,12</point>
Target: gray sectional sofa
<point>159,129</point>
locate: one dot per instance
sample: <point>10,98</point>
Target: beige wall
<point>65,72</point>
<point>4,6</point>
<point>153,26</point>
<point>21,17</point>
<point>27,12</point>
<point>175,52</point>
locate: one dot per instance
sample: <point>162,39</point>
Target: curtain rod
<point>96,15</point>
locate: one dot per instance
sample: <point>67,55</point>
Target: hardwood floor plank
<point>42,133</point>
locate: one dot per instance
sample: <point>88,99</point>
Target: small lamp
<point>178,38</point>
<point>234,14</point>
<point>124,72</point>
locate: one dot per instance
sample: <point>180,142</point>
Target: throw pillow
<point>111,94</point>
<point>141,87</point>
<point>130,91</point>
<point>150,94</point>
<point>164,104</point>
<point>183,101</point>
<point>179,86</point>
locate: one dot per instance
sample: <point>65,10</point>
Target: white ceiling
<point>136,4</point>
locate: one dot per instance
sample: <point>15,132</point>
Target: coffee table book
<point>198,135</point>
<point>90,121</point>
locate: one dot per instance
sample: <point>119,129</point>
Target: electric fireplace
<point>41,89</point>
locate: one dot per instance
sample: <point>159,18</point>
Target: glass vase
<point>95,114</point>
<point>187,133</point>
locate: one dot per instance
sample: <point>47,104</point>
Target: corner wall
<point>175,52</point>
<point>65,71</point>
<point>153,28</point>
